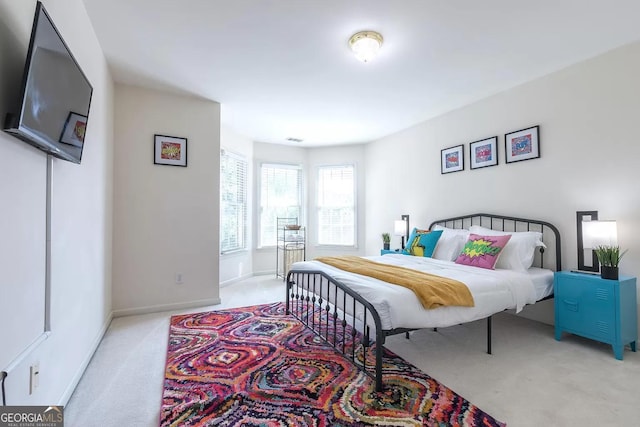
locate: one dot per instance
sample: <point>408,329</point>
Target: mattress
<point>542,279</point>
<point>398,307</point>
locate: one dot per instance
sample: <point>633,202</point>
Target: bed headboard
<point>550,234</point>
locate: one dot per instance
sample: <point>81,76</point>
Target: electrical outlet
<point>34,377</point>
<point>178,278</point>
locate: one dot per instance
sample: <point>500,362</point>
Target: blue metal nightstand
<point>390,251</point>
<point>596,308</point>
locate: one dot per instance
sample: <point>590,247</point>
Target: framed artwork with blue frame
<point>522,144</point>
<point>484,153</point>
<point>452,159</point>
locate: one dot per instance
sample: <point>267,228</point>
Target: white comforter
<point>493,291</point>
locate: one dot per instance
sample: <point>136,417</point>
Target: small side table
<point>596,308</point>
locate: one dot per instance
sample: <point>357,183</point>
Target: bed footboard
<point>338,315</point>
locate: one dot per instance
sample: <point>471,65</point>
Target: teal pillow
<point>422,242</point>
<point>412,236</point>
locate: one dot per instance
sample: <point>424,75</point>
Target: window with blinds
<point>280,196</point>
<point>336,205</point>
<point>233,202</point>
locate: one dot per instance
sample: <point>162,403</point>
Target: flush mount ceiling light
<point>365,45</point>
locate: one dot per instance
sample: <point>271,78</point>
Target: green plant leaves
<point>609,256</point>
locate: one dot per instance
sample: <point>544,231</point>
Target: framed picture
<point>452,159</point>
<point>522,144</point>
<point>74,130</point>
<point>484,153</point>
<point>170,150</point>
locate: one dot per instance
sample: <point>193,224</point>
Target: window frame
<point>355,204</point>
<point>259,205</point>
<point>245,214</point>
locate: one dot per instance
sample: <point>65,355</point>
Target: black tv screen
<point>56,95</point>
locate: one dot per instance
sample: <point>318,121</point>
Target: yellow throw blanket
<point>433,291</point>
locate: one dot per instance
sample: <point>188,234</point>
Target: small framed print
<point>452,159</point>
<point>74,130</point>
<point>170,150</point>
<point>522,145</point>
<point>484,153</point>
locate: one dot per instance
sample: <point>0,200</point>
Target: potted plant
<point>609,258</point>
<point>386,240</point>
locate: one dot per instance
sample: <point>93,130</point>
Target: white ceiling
<point>282,68</point>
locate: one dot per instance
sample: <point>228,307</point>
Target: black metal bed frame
<point>316,299</point>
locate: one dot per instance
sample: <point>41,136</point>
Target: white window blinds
<point>233,202</point>
<point>280,196</point>
<point>336,205</point>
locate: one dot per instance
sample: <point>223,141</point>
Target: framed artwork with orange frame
<point>74,130</point>
<point>170,150</point>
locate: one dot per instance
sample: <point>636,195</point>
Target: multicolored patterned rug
<point>257,366</point>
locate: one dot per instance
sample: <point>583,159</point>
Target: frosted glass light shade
<point>365,45</point>
<point>599,233</point>
<point>400,227</point>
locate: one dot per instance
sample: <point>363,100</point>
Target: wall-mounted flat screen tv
<point>56,95</point>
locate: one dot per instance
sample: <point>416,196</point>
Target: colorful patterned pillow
<point>520,252</point>
<point>422,243</point>
<point>482,251</point>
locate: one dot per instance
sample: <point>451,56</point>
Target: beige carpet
<point>530,380</point>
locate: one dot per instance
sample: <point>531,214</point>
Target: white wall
<point>81,217</point>
<point>23,195</point>
<point>589,147</point>
<point>166,218</point>
<point>239,265</point>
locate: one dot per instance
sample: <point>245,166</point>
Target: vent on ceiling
<point>294,139</point>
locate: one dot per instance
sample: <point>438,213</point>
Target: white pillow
<point>450,243</point>
<point>519,252</point>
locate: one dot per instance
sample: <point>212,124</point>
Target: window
<point>233,202</point>
<point>336,205</point>
<point>280,196</point>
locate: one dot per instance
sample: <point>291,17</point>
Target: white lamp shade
<point>400,227</point>
<point>599,233</point>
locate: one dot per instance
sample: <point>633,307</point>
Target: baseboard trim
<point>64,400</point>
<point>27,351</point>
<point>245,277</point>
<point>166,307</point>
<point>264,272</point>
<point>235,280</point>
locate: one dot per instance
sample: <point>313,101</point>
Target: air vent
<point>294,140</point>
